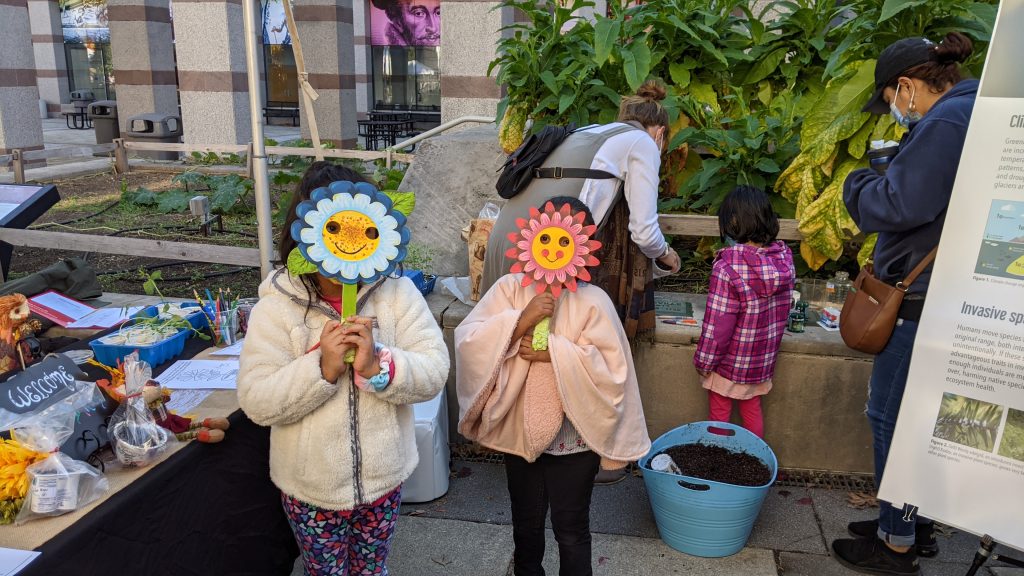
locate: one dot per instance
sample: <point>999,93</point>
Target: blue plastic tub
<point>155,354</point>
<point>423,282</point>
<point>701,517</point>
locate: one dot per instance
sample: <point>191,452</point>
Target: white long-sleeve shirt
<point>634,158</point>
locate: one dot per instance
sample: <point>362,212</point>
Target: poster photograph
<point>84,21</point>
<point>958,450</point>
<point>405,22</point>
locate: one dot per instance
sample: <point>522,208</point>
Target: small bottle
<point>843,285</point>
<point>797,320</point>
<point>830,290</point>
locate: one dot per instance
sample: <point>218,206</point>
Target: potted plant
<point>417,267</point>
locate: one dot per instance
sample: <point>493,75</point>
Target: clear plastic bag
<point>59,484</point>
<point>135,436</point>
<point>490,211</point>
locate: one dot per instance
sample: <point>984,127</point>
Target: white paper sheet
<point>105,317</point>
<point>14,561</point>
<point>63,304</point>
<point>200,375</point>
<point>233,350</point>
<point>184,401</point>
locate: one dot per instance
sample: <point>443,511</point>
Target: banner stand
<point>985,553</point>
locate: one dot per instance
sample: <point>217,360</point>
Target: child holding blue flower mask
<point>342,436</point>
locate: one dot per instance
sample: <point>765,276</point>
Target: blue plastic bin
<point>701,517</point>
<point>154,354</point>
<point>424,283</point>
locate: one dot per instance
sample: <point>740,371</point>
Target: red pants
<point>750,411</point>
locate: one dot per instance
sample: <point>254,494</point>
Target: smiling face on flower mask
<point>912,115</point>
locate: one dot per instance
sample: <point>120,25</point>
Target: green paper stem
<point>349,295</point>
<point>540,334</point>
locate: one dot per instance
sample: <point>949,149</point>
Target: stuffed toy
<point>15,325</point>
<point>207,430</point>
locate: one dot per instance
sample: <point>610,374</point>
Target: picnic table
<point>76,115</point>
<point>384,132</point>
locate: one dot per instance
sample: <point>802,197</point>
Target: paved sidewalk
<point>468,533</point>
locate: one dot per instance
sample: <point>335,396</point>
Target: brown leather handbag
<point>870,311</point>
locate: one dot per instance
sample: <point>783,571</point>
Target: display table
<point>205,509</point>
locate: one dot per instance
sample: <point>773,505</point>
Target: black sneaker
<point>924,538</point>
<point>874,557</point>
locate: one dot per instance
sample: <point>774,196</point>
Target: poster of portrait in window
<point>275,26</point>
<point>84,21</point>
<point>405,22</point>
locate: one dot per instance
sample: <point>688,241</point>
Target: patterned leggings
<point>345,542</point>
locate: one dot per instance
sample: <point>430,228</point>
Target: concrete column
<point>469,37</point>
<point>48,47</point>
<point>142,46</point>
<point>20,125</point>
<point>210,45</point>
<point>364,57</point>
<point>325,29</point>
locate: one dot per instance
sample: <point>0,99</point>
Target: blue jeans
<point>885,394</point>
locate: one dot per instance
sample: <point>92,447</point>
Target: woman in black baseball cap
<point>919,82</point>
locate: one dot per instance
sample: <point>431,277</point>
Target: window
<point>281,72</point>
<point>407,77</point>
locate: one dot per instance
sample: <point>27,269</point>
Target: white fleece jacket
<point>331,444</point>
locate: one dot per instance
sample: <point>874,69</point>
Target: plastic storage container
<point>424,283</point>
<point>155,354</point>
<point>702,517</point>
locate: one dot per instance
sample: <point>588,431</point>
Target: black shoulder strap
<point>557,172</point>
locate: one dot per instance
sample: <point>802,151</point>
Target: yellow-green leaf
<point>867,251</point>
<point>837,116</point>
<point>705,94</point>
<point>857,145</point>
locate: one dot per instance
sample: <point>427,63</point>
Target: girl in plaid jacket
<point>748,305</point>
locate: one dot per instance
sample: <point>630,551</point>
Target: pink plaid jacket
<point>748,306</point>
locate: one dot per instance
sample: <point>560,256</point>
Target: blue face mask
<point>730,242</point>
<point>902,119</point>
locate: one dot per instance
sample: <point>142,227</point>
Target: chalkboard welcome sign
<point>40,385</point>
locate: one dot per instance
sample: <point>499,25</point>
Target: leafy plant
<point>969,422</point>
<point>420,258</point>
<point>770,97</point>
<point>1012,444</point>
<point>228,193</point>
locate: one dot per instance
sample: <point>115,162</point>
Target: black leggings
<point>566,483</point>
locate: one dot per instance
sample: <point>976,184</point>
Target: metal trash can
<point>154,127</point>
<point>103,114</point>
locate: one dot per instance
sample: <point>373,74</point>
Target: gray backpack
<point>562,174</point>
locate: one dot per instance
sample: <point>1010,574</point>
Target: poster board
<point>958,449</point>
<point>405,22</point>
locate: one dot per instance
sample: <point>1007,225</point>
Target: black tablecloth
<point>209,509</point>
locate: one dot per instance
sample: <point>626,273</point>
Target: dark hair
<point>746,215</point>
<point>943,69</point>
<point>575,204</point>
<point>319,174</point>
<point>645,107</point>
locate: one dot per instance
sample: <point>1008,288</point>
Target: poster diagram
<point>1002,247</point>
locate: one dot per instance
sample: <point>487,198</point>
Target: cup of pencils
<point>226,327</point>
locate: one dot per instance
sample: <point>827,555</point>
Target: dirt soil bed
<point>720,465</point>
<point>92,205</point>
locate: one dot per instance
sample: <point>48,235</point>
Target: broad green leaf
<point>142,196</point>
<point>867,251</point>
<point>404,202</point>
<point>606,35</point>
<point>764,94</point>
<point>825,223</point>
<point>565,101</point>
<point>173,201</point>
<point>857,145</point>
<point>894,7</point>
<point>767,165</point>
<point>837,116</point>
<point>680,75</point>
<point>705,94</point>
<point>189,178</point>
<point>766,65</point>
<point>549,80</point>
<point>298,265</point>
<point>636,62</point>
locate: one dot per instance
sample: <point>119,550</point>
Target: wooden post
<point>19,166</point>
<point>120,156</point>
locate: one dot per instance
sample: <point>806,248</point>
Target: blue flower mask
<point>349,233</point>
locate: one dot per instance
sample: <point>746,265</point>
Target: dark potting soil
<point>720,465</point>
